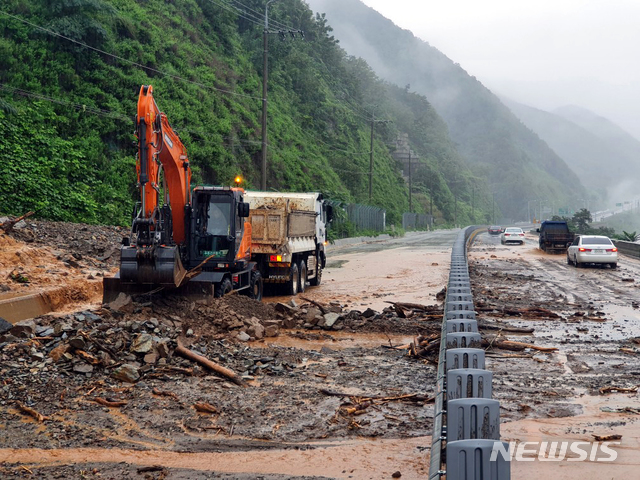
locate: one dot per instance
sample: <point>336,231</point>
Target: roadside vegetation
<point>70,73</point>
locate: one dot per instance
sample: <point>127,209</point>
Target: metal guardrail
<point>628,248</point>
<point>469,457</point>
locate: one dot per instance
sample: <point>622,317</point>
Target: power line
<point>275,22</point>
<point>77,106</point>
<point>176,77</point>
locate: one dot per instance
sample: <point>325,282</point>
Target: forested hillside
<point>71,70</point>
<point>520,166</point>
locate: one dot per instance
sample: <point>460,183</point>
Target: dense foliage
<point>70,72</point>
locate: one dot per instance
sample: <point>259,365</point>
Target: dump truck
<point>288,237</point>
<point>555,236</point>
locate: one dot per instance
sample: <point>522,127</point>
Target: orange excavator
<point>183,240</point>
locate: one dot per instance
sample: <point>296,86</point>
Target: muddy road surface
<point>588,386</point>
<point>319,389</point>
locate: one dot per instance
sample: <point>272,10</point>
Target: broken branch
<point>205,362</point>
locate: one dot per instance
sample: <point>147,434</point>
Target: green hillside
<point>71,70</point>
<point>520,167</point>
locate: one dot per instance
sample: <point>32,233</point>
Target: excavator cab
<point>219,228</point>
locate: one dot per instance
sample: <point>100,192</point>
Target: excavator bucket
<point>144,270</point>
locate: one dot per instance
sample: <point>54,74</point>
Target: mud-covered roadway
<point>285,422</point>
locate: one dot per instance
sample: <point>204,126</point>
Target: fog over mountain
<point>520,166</point>
<point>603,155</point>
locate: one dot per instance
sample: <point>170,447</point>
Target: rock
<point>271,331</point>
<point>83,368</point>
<point>290,322</point>
<point>286,309</point>
<point>126,373</point>
<point>335,308</point>
<point>37,357</point>
<point>368,313</point>
<point>243,336</point>
<point>257,331</point>
<point>23,329</point>
<point>63,327</point>
<point>4,326</point>
<point>293,303</point>
<point>77,343</point>
<point>163,347</point>
<point>320,322</point>
<point>330,319</point>
<point>312,313</point>
<point>59,351</point>
<point>151,357</point>
<point>396,475</point>
<point>189,332</point>
<point>143,343</point>
<point>121,302</point>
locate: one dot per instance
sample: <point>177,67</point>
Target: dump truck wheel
<point>294,279</point>
<point>315,281</point>
<point>223,288</point>
<point>256,286</point>
<point>303,277</point>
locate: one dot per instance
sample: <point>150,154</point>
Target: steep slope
<point>520,166</point>
<point>70,72</point>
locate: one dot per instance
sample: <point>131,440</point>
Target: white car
<point>592,249</point>
<point>512,234</point>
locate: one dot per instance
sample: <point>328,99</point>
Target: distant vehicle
<point>495,230</point>
<point>512,235</point>
<point>595,249</point>
<point>555,236</point>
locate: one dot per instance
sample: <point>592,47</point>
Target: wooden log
<point>30,411</point>
<point>205,362</point>
<point>323,308</point>
<point>8,225</point>
<point>109,403</point>
<point>415,306</point>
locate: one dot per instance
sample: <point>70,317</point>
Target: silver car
<point>592,249</point>
<point>512,235</point>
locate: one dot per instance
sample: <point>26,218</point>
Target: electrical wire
<point>77,106</point>
<point>275,22</point>
<point>170,75</point>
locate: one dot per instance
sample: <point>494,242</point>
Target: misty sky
<point>544,53</point>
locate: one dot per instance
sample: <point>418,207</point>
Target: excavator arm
<point>163,170</point>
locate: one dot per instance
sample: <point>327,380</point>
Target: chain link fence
<point>415,221</point>
<point>350,219</point>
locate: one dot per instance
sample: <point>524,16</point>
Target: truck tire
<point>303,276</point>
<point>315,281</point>
<point>294,279</point>
<point>223,288</point>
<point>256,286</point>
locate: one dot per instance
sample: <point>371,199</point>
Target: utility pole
<point>493,215</point>
<point>265,77</point>
<point>410,185</point>
<point>373,122</point>
<point>431,196</point>
<point>473,200</point>
<point>455,200</point>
